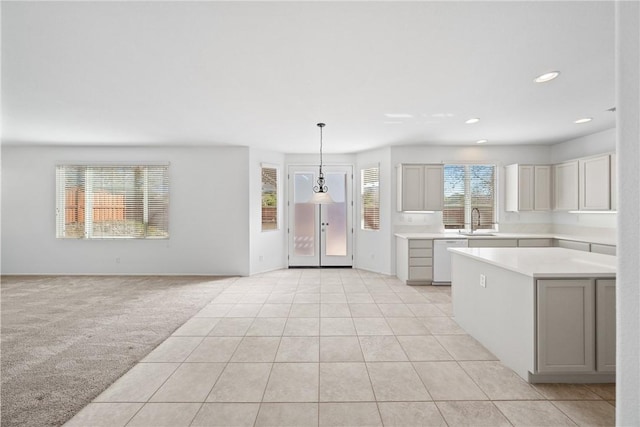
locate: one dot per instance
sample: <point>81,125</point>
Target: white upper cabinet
<point>595,183</point>
<point>528,188</point>
<point>565,185</point>
<point>420,187</point>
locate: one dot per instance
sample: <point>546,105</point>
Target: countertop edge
<point>526,271</point>
<point>439,236</point>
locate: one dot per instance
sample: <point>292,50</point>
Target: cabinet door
<point>565,185</point>
<point>606,325</point>
<point>412,187</point>
<point>595,183</point>
<point>525,188</point>
<point>565,325</point>
<point>542,188</point>
<point>434,187</point>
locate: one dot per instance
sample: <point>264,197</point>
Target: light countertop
<point>603,240</point>
<point>545,262</point>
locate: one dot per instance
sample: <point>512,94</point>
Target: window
<point>467,187</point>
<point>95,202</point>
<point>269,198</point>
<point>370,202</point>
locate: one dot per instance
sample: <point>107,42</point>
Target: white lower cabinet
<point>569,303</point>
<point>606,325</point>
<point>586,310</point>
<point>414,260</point>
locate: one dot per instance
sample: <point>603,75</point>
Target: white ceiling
<point>262,74</point>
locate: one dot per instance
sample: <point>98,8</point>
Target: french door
<point>320,235</point>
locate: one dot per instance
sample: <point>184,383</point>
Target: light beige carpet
<point>66,338</point>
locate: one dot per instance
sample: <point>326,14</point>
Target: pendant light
<point>321,191</point>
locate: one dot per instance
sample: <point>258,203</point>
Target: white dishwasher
<point>442,259</point>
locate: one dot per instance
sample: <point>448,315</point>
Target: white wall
<point>209,214</point>
<point>628,150</point>
<point>268,248</point>
<point>589,145</point>
<point>371,247</point>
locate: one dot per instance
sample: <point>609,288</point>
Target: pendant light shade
<point>321,191</point>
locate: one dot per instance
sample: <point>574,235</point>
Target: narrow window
<point>370,198</point>
<point>97,202</point>
<point>467,187</point>
<point>269,198</point>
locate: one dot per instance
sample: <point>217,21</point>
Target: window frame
<point>468,206</point>
<point>362,194</point>
<point>87,206</point>
<point>278,197</point>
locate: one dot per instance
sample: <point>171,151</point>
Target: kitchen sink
<point>478,233</point>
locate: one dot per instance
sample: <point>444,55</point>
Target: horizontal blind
<point>453,215</point>
<point>112,201</point>
<point>370,193</point>
<point>269,198</point>
<point>467,187</point>
<point>482,194</point>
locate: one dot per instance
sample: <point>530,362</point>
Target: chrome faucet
<point>474,210</point>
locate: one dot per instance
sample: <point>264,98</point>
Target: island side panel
<point>501,315</point>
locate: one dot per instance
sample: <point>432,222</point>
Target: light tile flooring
<point>333,347</point>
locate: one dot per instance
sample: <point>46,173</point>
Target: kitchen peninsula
<point>547,313</point>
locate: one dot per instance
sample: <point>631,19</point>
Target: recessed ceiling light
<point>546,77</point>
<point>481,141</point>
<point>399,115</point>
<point>472,121</point>
<point>583,120</point>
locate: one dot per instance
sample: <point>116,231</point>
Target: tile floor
<point>333,347</point>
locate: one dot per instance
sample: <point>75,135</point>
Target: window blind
<point>370,198</point>
<point>269,198</point>
<point>96,202</point>
<point>467,187</point>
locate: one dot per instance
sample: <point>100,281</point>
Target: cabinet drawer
<point>493,243</point>
<point>414,253</point>
<point>603,249</point>
<point>570,244</point>
<point>535,243</point>
<point>420,243</point>
<point>420,262</point>
<point>420,273</point>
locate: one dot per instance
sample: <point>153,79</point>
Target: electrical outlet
<point>117,260</point>
<point>483,280</point>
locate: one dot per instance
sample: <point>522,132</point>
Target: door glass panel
<point>336,215</point>
<point>305,218</point>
